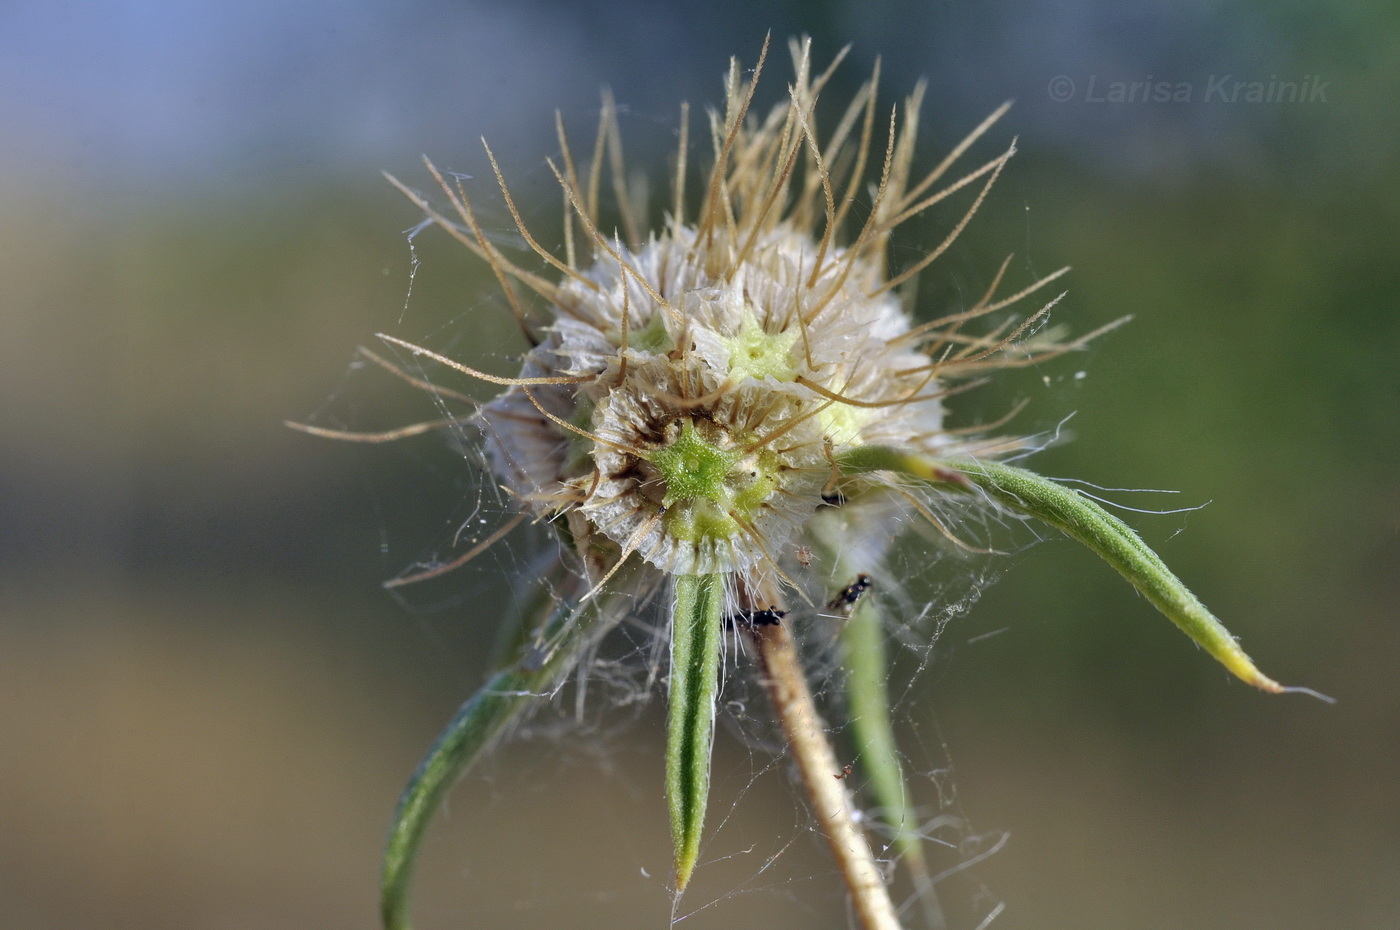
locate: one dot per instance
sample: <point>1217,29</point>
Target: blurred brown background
<point>208,704</point>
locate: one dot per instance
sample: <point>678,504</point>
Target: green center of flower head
<point>711,487</point>
<point>756,353</point>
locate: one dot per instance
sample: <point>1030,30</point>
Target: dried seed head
<point>691,390</point>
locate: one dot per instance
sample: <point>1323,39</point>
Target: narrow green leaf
<point>868,700</point>
<point>1079,518</point>
<point>865,676</point>
<point>696,628</point>
<point>569,631</point>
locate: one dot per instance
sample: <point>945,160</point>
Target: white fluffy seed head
<point>746,362</point>
<point>720,366</point>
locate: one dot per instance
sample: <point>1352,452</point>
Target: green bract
<point>695,644</point>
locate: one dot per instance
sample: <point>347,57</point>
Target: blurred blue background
<point>207,702</point>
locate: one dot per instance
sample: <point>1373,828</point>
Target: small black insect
<point>753,618</point>
<point>851,593</point>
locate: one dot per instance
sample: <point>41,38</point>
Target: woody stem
<point>832,804</point>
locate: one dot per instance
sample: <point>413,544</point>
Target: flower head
<point>691,391</point>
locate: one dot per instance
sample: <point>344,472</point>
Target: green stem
<point>1081,519</point>
<point>569,632</point>
<point>697,626</point>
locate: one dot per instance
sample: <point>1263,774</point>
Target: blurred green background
<point>207,702</point>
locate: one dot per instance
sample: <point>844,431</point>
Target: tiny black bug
<point>755,618</point>
<point>851,593</point>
